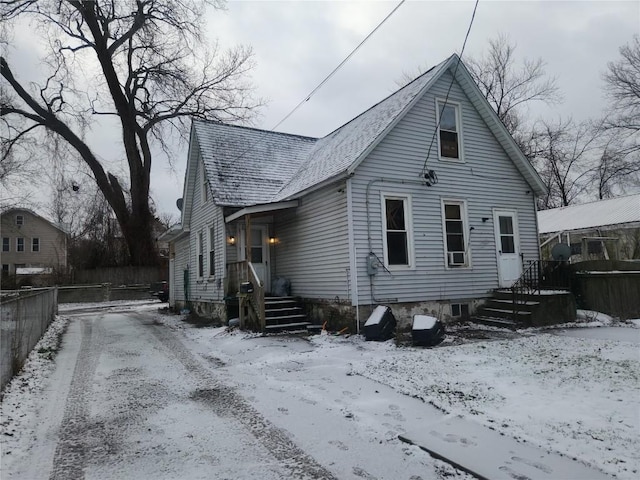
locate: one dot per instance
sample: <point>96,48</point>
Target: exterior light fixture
<point>231,240</point>
<point>272,240</point>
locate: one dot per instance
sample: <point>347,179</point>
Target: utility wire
<point>335,70</point>
<point>464,44</point>
<point>326,79</point>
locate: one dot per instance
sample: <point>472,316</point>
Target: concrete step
<point>496,322</point>
<point>283,319</point>
<point>287,326</point>
<point>277,312</point>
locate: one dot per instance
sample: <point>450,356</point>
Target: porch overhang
<point>174,233</point>
<point>268,207</point>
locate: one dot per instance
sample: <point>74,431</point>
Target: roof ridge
<point>396,92</point>
<point>260,130</point>
<point>592,202</point>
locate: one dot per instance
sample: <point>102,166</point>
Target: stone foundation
<point>215,311</point>
<point>339,315</point>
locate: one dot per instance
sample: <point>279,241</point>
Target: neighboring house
<point>31,244</point>
<point>605,229</point>
<point>387,209</point>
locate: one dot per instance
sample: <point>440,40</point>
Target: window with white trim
<point>6,244</point>
<point>449,131</point>
<point>212,253</point>
<point>200,253</point>
<point>19,220</point>
<point>35,244</point>
<point>20,244</point>
<point>454,215</point>
<point>397,235</point>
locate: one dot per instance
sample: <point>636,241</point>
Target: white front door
<point>507,246</point>
<point>259,252</point>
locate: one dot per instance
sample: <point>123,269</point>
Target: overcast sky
<point>296,44</point>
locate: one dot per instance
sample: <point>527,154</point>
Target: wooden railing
<point>251,304</point>
<point>539,275</point>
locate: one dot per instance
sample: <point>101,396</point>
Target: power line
<point>326,79</point>
<point>335,70</point>
<point>464,44</point>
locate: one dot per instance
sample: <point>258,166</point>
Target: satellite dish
<point>179,204</point>
<point>561,252</point>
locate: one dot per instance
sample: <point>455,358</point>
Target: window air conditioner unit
<point>457,259</point>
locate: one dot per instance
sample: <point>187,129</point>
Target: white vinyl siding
<point>396,164</point>
<point>205,215</point>
<point>313,248</point>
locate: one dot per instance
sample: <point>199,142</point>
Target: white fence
<point>23,321</point>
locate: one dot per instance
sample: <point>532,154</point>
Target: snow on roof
<point>614,211</point>
<point>339,150</point>
<point>247,166</point>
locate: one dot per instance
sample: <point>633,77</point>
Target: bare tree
<point>622,86</point>
<point>509,86</point>
<point>563,154</point>
<point>616,169</point>
<point>141,62</point>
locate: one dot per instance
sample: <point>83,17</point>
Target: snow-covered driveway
<point>131,397</point>
<point>128,400</point>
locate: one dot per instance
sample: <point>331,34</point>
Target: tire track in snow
<point>226,402</point>
<point>71,452</point>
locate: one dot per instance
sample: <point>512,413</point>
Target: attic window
<point>449,131</point>
<point>19,220</point>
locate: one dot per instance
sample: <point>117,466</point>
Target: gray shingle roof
<point>247,166</point>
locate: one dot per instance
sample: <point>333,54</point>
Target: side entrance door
<point>507,246</point>
<point>259,246</point>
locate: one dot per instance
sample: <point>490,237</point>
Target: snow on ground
<point>18,407</point>
<point>575,396</point>
<point>115,305</point>
<point>572,395</point>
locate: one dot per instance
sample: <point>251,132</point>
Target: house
<point>423,202</point>
<point>31,244</point>
<point>605,229</point>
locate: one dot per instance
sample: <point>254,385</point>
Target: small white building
<point>605,229</point>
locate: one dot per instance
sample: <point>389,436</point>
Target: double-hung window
<point>6,244</point>
<point>397,235</point>
<point>212,253</point>
<point>20,244</point>
<point>449,131</point>
<point>454,213</point>
<point>19,220</point>
<point>35,244</point>
<point>200,253</point>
